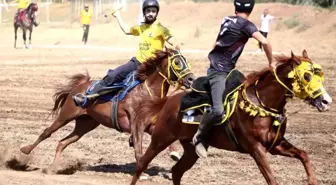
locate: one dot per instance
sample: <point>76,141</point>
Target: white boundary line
<point>107,48</point>
<point>123,49</point>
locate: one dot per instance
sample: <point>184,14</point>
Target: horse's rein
<point>167,78</point>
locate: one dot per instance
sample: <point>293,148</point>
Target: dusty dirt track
<point>28,78</point>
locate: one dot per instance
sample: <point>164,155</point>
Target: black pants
<point>86,28</point>
<point>217,83</point>
<point>265,35</point>
<point>120,73</point>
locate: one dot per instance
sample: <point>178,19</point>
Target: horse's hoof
<point>312,181</point>
<point>144,177</point>
<point>49,171</point>
<point>26,149</point>
<point>165,175</point>
<point>175,156</point>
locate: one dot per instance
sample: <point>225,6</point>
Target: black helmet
<point>150,3</point>
<point>244,5</point>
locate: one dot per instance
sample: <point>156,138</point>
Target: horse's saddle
<point>20,15</point>
<point>117,89</point>
<point>198,101</point>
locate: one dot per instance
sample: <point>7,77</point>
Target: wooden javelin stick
<point>114,11</point>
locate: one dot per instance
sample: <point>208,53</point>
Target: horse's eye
<point>307,77</point>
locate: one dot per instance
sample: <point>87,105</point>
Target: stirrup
<point>130,141</point>
<point>82,103</point>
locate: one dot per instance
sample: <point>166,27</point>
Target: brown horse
<point>158,73</point>
<point>256,126</point>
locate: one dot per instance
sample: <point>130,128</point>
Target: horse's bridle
<point>179,72</point>
<point>280,116</point>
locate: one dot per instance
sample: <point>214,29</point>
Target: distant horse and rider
<point>25,19</point>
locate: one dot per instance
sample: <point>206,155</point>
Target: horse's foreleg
<point>24,31</point>
<point>157,144</point>
<point>188,159</point>
<point>68,113</point>
<point>172,151</point>
<point>84,125</point>
<point>30,35</point>
<point>15,34</point>
<point>259,155</point>
<point>287,149</point>
<point>137,141</point>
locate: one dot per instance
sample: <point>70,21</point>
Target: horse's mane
<point>30,6</point>
<point>149,66</point>
<point>255,75</point>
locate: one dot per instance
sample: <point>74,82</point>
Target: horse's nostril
<point>325,102</point>
<point>190,79</point>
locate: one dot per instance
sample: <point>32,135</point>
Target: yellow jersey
<point>86,17</point>
<point>152,37</point>
<point>23,3</point>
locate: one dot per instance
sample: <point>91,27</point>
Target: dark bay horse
<point>157,75</point>
<point>25,19</point>
<point>257,124</point>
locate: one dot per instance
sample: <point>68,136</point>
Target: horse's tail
<point>62,92</point>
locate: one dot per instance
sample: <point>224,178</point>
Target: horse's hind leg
<point>187,160</point>
<point>84,124</point>
<point>69,112</point>
<point>287,149</point>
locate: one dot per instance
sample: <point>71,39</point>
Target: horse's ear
<point>295,59</point>
<point>168,50</point>
<point>305,54</point>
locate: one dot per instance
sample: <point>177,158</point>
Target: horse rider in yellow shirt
<point>152,35</point>
<point>23,4</point>
<point>86,16</point>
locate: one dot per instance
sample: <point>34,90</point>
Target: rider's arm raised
<point>125,28</point>
<point>173,43</point>
<point>170,40</point>
<point>266,45</point>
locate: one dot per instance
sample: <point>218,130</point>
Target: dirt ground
<point>29,77</point>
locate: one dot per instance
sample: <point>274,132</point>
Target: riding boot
<point>81,99</point>
<point>201,135</point>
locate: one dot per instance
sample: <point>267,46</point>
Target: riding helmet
<point>150,3</point>
<point>244,5</point>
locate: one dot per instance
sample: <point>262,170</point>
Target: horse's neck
<point>271,93</point>
<point>157,85</point>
